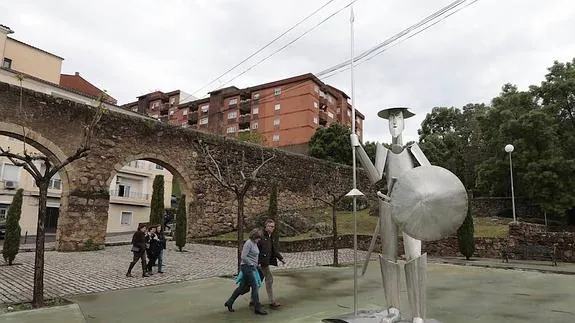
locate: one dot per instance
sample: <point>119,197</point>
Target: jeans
<point>248,281</point>
<point>160,259</point>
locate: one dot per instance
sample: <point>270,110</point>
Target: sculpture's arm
<point>374,174</point>
<point>419,155</point>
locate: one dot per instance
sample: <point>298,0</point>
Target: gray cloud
<point>131,47</point>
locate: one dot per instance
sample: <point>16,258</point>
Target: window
<point>123,190</point>
<point>3,211</point>
<point>277,91</point>
<point>135,109</point>
<point>10,173</point>
<point>205,108</point>
<point>330,98</point>
<point>233,102</point>
<point>173,100</point>
<point>315,120</point>
<point>255,110</point>
<point>155,105</point>
<point>315,104</point>
<point>316,88</point>
<point>276,138</point>
<point>126,218</point>
<point>277,107</point>
<point>256,96</point>
<point>172,112</point>
<point>204,121</point>
<point>231,129</point>
<point>185,112</point>
<point>276,122</point>
<point>233,115</point>
<point>7,63</point>
<point>329,114</point>
<point>159,167</point>
<point>349,113</point>
<point>55,182</point>
<point>254,125</point>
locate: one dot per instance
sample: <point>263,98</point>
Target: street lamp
<point>509,149</point>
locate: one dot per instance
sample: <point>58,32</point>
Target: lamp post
<point>509,149</point>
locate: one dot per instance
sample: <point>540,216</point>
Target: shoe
<point>129,275</point>
<point>229,306</point>
<point>261,312</point>
<point>275,305</point>
<point>160,272</point>
<point>145,275</point>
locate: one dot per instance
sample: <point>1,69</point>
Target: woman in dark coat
<point>139,250</point>
<point>154,246</point>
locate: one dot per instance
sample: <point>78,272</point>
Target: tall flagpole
<point>351,20</point>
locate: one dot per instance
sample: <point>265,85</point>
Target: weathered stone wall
<point>500,206</point>
<point>520,233</point>
<point>55,126</point>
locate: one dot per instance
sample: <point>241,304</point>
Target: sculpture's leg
<point>390,269</point>
<point>390,272</point>
<point>415,276</point>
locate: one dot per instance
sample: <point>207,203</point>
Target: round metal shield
<point>429,203</point>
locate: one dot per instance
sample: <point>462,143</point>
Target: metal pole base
<point>371,316</point>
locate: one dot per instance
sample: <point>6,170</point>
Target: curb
<point>504,266</point>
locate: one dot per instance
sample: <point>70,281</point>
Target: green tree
<point>157,203</point>
<point>252,136</point>
<point>332,143</point>
<point>465,235</point>
<point>181,223</point>
<point>12,238</point>
<point>273,210</point>
<point>542,171</point>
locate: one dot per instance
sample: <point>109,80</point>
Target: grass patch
<point>58,301</point>
<point>484,227</point>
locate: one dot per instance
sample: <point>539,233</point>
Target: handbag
<point>135,249</point>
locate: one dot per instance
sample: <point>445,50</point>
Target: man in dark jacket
<point>269,255</point>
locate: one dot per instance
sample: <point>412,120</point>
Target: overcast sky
<point>131,47</point>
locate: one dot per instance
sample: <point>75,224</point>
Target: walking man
<point>269,255</point>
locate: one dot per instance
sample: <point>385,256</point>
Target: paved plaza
<point>99,271</point>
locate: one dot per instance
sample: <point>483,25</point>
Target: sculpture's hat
<point>385,112</point>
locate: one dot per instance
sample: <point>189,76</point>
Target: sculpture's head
<point>395,117</point>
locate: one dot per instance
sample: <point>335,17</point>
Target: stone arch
<point>179,172</point>
<point>49,149</point>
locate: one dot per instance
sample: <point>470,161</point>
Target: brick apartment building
<point>286,112</point>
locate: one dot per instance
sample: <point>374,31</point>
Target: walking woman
<point>162,238</point>
<point>248,267</point>
<point>153,248</point>
<point>139,250</point>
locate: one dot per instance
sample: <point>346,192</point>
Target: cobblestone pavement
<point>98,271</point>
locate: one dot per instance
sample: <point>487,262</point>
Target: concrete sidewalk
<point>61,314</point>
<point>455,294</point>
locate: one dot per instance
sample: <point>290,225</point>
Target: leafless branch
<point>218,174</point>
<point>255,172</point>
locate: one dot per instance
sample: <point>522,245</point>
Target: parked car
<point>2,230</point>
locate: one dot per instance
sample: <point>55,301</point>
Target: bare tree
<point>331,196</point>
<point>235,181</point>
<point>33,164</point>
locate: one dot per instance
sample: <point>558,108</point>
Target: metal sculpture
<point>421,201</point>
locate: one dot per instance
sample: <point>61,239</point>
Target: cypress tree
<point>181,223</point>
<point>465,236</point>
<point>12,238</point>
<point>157,204</point>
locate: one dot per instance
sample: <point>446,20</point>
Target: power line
<point>394,37</point>
<point>402,40</point>
<point>264,47</point>
<point>288,44</point>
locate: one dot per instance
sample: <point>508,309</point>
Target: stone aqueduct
<point>55,127</point>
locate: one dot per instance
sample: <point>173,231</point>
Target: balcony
<point>193,107</point>
<point>134,198</point>
<point>323,118</point>
<point>246,106</point>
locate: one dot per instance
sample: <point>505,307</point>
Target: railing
<point>130,195</point>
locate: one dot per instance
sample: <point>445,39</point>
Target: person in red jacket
<point>269,255</point>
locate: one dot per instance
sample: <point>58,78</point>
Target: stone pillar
<point>82,221</point>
